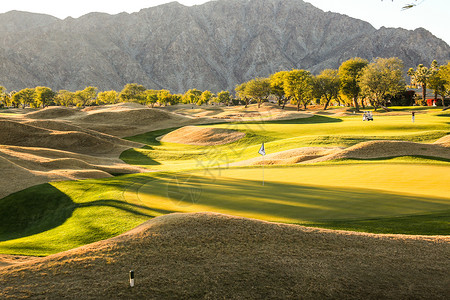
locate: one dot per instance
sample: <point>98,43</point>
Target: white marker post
<point>132,278</point>
<point>262,151</point>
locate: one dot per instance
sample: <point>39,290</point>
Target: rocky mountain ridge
<point>211,46</point>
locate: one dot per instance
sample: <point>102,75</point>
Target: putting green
<point>302,194</point>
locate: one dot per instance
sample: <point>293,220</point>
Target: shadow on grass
<point>282,202</point>
<point>33,210</point>
<point>135,157</point>
<point>135,209</point>
<point>427,224</point>
<point>149,138</point>
<point>316,119</point>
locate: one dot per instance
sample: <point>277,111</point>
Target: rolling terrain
<point>207,255</point>
<point>199,217</point>
<point>60,143</point>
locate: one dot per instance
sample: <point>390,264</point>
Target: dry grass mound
<point>202,136</point>
<point>207,255</point>
<point>141,116</point>
<point>23,167</point>
<point>121,121</point>
<point>365,150</point>
<point>380,149</point>
<point>53,113</point>
<point>288,157</point>
<point>112,107</point>
<point>39,151</point>
<point>267,111</point>
<point>82,141</point>
<point>443,141</point>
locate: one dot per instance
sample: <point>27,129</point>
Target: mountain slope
<point>211,46</point>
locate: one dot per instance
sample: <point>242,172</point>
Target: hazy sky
<point>433,15</point>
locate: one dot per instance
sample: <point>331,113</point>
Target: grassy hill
<point>406,194</point>
<point>207,255</point>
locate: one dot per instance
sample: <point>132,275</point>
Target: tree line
<point>355,83</point>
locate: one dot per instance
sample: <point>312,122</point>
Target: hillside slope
<point>212,46</point>
<point>207,255</point>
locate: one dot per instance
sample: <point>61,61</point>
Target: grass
<point>390,195</point>
<point>89,211</point>
<point>317,131</point>
<point>346,200</point>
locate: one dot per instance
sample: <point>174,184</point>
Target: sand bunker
<point>202,136</point>
<point>219,256</point>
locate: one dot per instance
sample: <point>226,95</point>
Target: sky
<point>432,15</point>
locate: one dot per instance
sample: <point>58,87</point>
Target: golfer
<point>413,116</point>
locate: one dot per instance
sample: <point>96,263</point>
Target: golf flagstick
<point>262,151</point>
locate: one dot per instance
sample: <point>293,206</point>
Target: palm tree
<point>420,77</point>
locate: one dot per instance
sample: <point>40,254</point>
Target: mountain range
<point>212,46</point>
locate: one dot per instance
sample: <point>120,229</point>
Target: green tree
<point>65,98</point>
<point>437,82</point>
<point>175,99</point>
<point>241,93</point>
<point>44,96</point>
<point>258,89</point>
<point>3,96</point>
<point>382,79</point>
<point>164,97</point>
<point>420,76</point>
<point>24,97</point>
<point>191,96</point>
<point>224,97</point>
<point>298,87</point>
<point>107,97</point>
<point>205,97</point>
<point>133,92</point>
<point>86,96</point>
<point>440,82</point>
<point>277,87</point>
<point>13,101</point>
<point>349,74</point>
<point>151,97</point>
<point>326,86</point>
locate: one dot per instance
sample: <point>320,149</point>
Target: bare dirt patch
<point>218,256</point>
<point>204,136</point>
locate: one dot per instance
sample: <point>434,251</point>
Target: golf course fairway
<point>361,197</point>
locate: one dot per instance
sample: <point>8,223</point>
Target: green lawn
<point>316,131</point>
<point>393,195</point>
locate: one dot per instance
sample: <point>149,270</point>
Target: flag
<point>262,151</point>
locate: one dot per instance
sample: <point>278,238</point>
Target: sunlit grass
<point>347,196</point>
<point>317,131</point>
<point>405,194</point>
